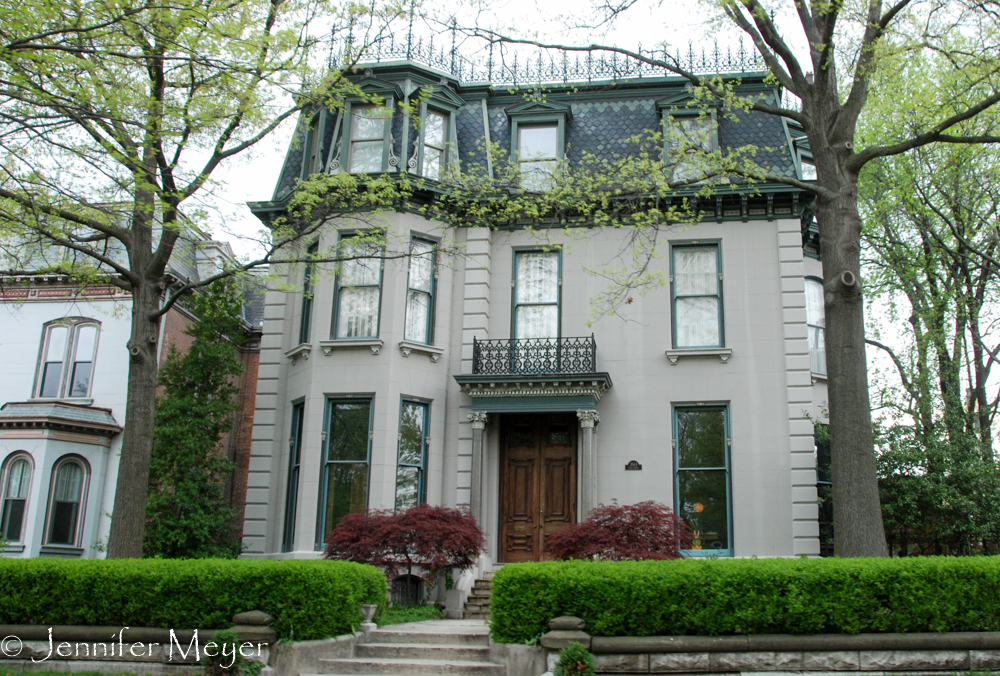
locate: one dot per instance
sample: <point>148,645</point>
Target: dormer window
<point>68,349</point>
<point>537,155</point>
<point>435,126</point>
<point>808,168</point>
<point>688,139</point>
<point>367,139</point>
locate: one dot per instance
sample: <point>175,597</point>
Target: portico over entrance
<point>541,397</point>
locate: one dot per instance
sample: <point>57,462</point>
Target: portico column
<point>588,460</point>
<point>478,420</point>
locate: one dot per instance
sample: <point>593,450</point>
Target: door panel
<point>538,481</point>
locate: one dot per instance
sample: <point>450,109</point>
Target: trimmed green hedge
<point>748,596</point>
<point>308,599</point>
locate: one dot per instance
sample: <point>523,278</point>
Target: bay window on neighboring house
<point>696,286</point>
<point>16,482</point>
<point>305,322</point>
<point>815,319</point>
<point>66,366</point>
<point>292,490</point>
<point>66,501</point>
<point>702,487</point>
<point>359,289</point>
<point>346,459</point>
<point>418,326</point>
<point>411,489</point>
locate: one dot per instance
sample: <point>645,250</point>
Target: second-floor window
<point>367,139</point>
<point>307,294</point>
<point>537,155</point>
<point>420,292</point>
<point>359,289</point>
<point>815,318</point>
<point>697,295</point>
<point>67,363</point>
<point>435,126</point>
<point>536,294</point>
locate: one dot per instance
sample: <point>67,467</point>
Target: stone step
<point>409,667</point>
<point>485,586</point>
<point>477,615</point>
<point>480,597</point>
<point>479,638</point>
<point>424,651</point>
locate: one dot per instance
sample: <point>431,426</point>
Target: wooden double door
<point>537,482</point>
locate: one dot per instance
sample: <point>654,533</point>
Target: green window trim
<point>305,320</point>
<point>378,95</point>
<point>674,295</point>
<point>415,290</point>
<point>516,304</point>
<point>294,463</point>
<point>449,142</point>
<point>342,291</point>
<point>337,433</point>
<point>686,481</point>
<point>411,453</point>
<point>312,142</point>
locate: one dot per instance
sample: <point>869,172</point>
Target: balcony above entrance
<point>536,374</point>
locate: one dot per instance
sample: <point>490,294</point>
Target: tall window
<point>536,294</point>
<point>344,487</point>
<point>358,289</point>
<point>311,149</point>
<point>66,502</point>
<point>292,493</point>
<point>16,483</point>
<point>702,489</point>
<point>420,292</point>
<point>537,155</point>
<point>68,349</point>
<point>697,290</point>
<point>411,462</point>
<point>367,139</point>
<point>815,318</point>
<point>689,138</point>
<point>307,294</point>
<point>435,125</point>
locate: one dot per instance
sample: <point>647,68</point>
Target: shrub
<point>433,538</point>
<point>574,660</point>
<point>748,596</point>
<point>308,599</point>
<point>646,530</point>
<point>228,660</point>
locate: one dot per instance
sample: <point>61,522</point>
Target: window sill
<point>298,351</point>
<point>76,401</point>
<point>723,353</point>
<point>12,549</point>
<point>406,347</point>
<point>374,344</point>
<point>61,551</point>
<point>818,377</point>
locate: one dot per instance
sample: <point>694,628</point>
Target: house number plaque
<point>632,464</point>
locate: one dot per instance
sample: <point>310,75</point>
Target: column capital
<point>478,419</point>
<point>588,417</point>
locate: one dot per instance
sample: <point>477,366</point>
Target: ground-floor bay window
<point>702,488</point>
<point>346,457</point>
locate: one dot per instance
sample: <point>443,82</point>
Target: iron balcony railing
<point>532,356</point>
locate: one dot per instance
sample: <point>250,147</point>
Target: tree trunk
<point>857,512</point>
<point>129,517</point>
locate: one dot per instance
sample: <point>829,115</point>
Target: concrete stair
<point>454,647</point>
<point>477,606</point>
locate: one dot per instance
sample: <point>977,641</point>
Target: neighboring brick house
<point>476,380</point>
<point>63,400</point>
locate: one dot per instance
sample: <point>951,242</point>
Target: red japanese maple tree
<point>644,531</point>
<point>433,538</point>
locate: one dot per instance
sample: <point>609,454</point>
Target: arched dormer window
<point>67,498</point>
<point>15,482</point>
<point>66,364</point>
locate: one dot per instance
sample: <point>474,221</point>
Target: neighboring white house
<point>62,403</point>
<point>475,380</point>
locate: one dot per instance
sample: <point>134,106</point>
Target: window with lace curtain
<point>816,322</point>
<point>536,294</point>
<point>359,289</point>
<point>696,283</point>
<point>420,292</point>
